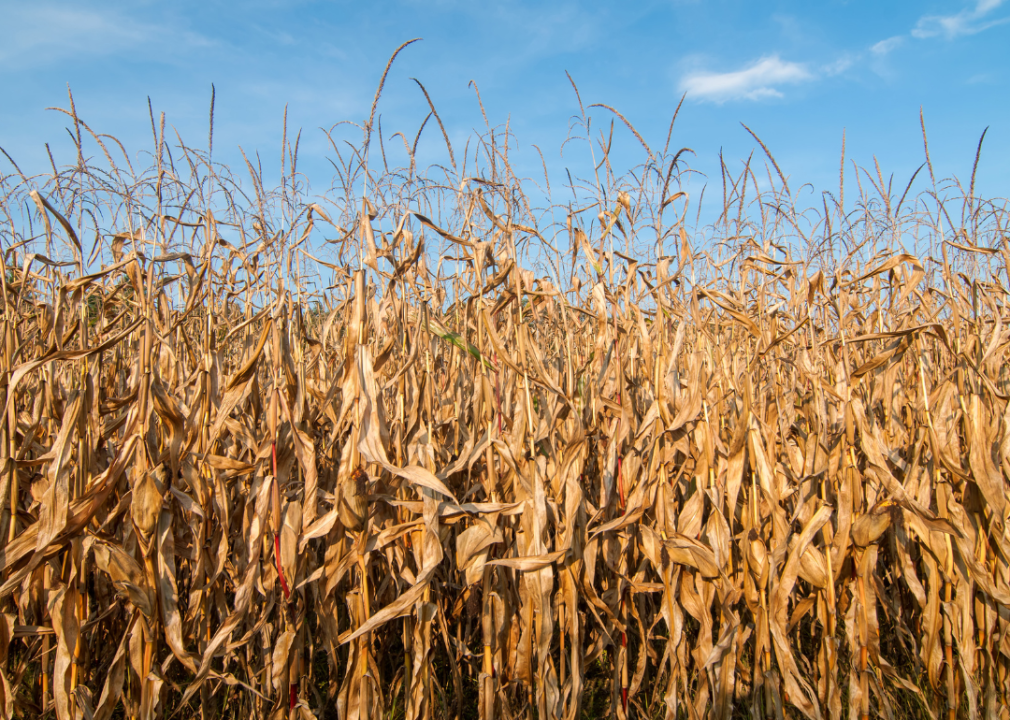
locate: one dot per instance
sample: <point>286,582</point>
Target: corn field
<point>417,449</point>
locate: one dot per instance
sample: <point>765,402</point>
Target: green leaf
<point>439,330</point>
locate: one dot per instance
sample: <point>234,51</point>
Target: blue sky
<point>797,73</point>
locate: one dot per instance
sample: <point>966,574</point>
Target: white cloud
<point>967,22</point>
<point>885,46</point>
<point>840,65</point>
<point>758,80</point>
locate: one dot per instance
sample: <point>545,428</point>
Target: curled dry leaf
<point>126,574</point>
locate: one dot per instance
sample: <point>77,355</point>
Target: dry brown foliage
<point>760,477</point>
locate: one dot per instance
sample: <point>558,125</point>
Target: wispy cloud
<point>967,22</point>
<point>981,79</point>
<point>885,46</point>
<point>757,81</point>
<point>54,33</point>
<point>837,67</point>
